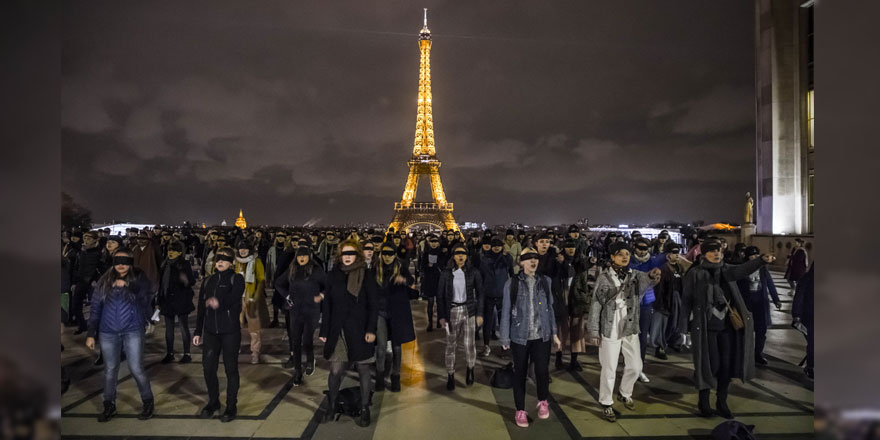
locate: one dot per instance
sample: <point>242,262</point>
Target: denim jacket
<point>514,324</point>
<point>633,287</point>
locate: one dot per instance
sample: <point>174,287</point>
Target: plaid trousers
<point>460,325</point>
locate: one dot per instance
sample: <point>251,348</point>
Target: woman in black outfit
<point>433,260</point>
<point>301,286</point>
<point>176,299</point>
<point>218,316</point>
<point>395,315</point>
<point>348,326</point>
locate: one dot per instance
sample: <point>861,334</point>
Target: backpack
<point>514,288</point>
<point>503,377</point>
<point>733,430</point>
<point>348,402</point>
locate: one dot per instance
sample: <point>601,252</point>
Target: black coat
<point>227,287</point>
<point>473,292</point>
<point>549,266</point>
<point>356,316</point>
<point>431,273</point>
<point>302,289</point>
<point>176,297</point>
<point>394,304</point>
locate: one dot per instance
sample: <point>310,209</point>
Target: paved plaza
<point>779,402</point>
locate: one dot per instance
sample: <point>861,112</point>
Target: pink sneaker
<point>522,419</point>
<point>543,409</point>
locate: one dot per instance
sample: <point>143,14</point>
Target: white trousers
<point>609,356</point>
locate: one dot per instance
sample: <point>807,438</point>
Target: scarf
<point>641,259</point>
<point>355,276</point>
<point>249,276</point>
<point>714,291</point>
<point>621,271</point>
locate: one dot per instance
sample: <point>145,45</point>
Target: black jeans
<point>721,355</point>
<point>535,351</point>
<point>302,335</point>
<point>490,305</point>
<point>431,300</point>
<point>80,294</point>
<point>759,313</point>
<point>184,333</point>
<point>646,315</point>
<point>228,344</point>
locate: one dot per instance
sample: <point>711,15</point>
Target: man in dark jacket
<point>460,305</point>
<point>802,314</point>
<point>218,320</point>
<point>88,269</point>
<point>496,267</point>
<point>755,289</point>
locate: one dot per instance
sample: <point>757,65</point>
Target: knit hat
<point>117,239</point>
<point>618,246</point>
<point>672,248</point>
<point>543,236</point>
<point>510,232</point>
<point>497,242</point>
<point>710,246</point>
<point>486,240</point>
<point>303,251</point>
<point>641,243</point>
<point>574,228</point>
<point>570,244</point>
<point>752,250</point>
<point>175,246</point>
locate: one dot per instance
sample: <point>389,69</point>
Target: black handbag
<point>503,377</point>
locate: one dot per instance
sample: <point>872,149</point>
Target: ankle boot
<point>450,383</point>
<point>330,410</point>
<point>469,377</point>
<point>721,404</point>
<point>229,414</point>
<point>558,360</point>
<point>147,411</point>
<point>364,419</point>
<point>108,413</point>
<point>395,383</point>
<point>703,404</point>
<point>380,382</point>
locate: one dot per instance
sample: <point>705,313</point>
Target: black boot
<point>469,377</point>
<point>450,383</point>
<point>186,359</point>
<point>229,414</point>
<point>297,377</point>
<point>109,412</point>
<point>703,404</point>
<point>329,411</point>
<point>380,381</point>
<point>661,354</point>
<point>147,411</point>
<point>721,403</point>
<point>208,411</point>
<point>364,419</point>
<point>395,383</point>
<point>289,363</point>
<point>169,358</point>
<point>558,360</point>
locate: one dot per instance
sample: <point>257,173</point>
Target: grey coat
<point>633,288</point>
<point>695,298</point>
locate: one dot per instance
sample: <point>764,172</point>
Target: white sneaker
<point>486,351</point>
<point>643,378</point>
<point>155,317</point>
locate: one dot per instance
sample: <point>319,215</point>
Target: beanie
<point>618,246</point>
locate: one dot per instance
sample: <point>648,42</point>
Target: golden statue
<point>750,204</point>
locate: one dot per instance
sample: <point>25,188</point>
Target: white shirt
<point>458,286</point>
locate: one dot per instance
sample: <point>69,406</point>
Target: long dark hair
<point>105,283</point>
<point>307,268</point>
<point>380,267</point>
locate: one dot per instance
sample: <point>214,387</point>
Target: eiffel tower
<point>424,159</point>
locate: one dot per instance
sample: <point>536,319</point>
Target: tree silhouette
<point>73,215</point>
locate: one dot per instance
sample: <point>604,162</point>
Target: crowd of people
<point>525,296</point>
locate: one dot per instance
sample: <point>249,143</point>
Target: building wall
<point>781,136</point>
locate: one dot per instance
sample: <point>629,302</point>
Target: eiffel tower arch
<point>424,162</point>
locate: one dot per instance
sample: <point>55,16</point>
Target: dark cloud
<point>293,111</point>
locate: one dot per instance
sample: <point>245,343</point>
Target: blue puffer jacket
<point>653,262</point>
<point>121,309</point>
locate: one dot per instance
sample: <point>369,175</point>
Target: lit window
<point>810,116</point>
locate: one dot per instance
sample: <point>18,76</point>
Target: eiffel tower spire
<point>424,160</point>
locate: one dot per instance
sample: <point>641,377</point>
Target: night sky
<point>544,112</point>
